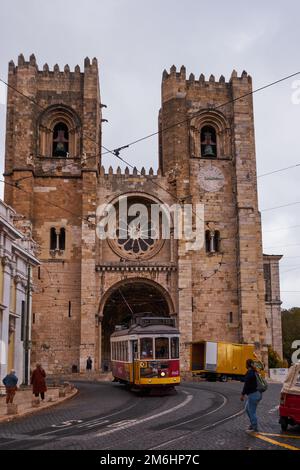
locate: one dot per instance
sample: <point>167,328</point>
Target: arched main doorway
<point>126,299</point>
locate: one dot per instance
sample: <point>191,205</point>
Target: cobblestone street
<point>105,416</point>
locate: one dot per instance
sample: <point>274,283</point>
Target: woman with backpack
<point>253,388</point>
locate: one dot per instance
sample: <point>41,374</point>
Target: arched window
<point>57,239</point>
<point>212,241</point>
<point>52,239</point>
<point>207,241</point>
<point>60,146</point>
<point>62,239</point>
<point>208,142</point>
<point>217,241</point>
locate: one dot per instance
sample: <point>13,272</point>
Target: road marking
<point>273,410</point>
<point>276,443</point>
<point>287,436</point>
<point>120,424</point>
<point>149,418</point>
<point>93,425</point>
<point>65,424</point>
<point>198,417</point>
<point>82,424</point>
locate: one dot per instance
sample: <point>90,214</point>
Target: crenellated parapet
<point>129,173</point>
<point>90,66</point>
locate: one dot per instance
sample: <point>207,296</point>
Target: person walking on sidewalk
<point>38,381</point>
<point>253,395</point>
<point>10,381</point>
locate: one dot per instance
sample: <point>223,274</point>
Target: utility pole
<point>27,328</point>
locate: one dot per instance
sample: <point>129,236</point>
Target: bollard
<point>12,409</point>
<point>61,393</point>
<point>35,402</point>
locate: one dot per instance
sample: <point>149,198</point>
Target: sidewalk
<point>93,376</point>
<point>24,401</point>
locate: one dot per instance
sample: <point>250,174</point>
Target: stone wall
<point>217,295</point>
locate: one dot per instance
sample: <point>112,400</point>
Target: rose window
<point>137,236</point>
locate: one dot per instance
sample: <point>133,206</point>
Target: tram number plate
<point>158,365</point>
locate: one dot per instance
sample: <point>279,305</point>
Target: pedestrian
<point>89,363</point>
<point>10,381</point>
<point>253,395</point>
<point>38,381</point>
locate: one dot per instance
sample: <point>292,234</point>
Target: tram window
<point>135,349</point>
<point>161,348</point>
<point>174,347</point>
<point>146,348</point>
<point>124,350</point>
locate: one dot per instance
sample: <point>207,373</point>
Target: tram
<point>145,355</point>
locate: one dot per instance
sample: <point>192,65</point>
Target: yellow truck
<point>219,360</point>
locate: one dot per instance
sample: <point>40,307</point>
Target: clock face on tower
<point>211,179</point>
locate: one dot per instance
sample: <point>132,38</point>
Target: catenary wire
<point>116,151</point>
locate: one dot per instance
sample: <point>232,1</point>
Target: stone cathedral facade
<point>85,286</point>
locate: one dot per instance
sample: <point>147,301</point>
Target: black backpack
<point>261,383</point>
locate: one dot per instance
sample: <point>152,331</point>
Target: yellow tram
<point>146,354</point>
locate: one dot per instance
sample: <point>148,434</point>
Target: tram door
<point>134,355</point>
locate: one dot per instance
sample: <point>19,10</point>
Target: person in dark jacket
<point>10,381</point>
<point>253,395</point>
<point>89,363</point>
<point>38,381</point>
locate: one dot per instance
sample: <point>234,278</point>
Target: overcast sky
<point>134,40</point>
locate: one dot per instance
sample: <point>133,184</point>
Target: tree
<point>274,360</point>
<point>290,330</point>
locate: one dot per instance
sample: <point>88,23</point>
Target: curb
<point>28,412</point>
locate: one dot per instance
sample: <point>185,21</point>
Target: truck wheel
<point>284,422</point>
<point>211,378</point>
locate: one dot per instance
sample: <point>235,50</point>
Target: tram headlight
<point>162,374</point>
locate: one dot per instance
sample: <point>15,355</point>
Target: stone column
<point>5,317</point>
<point>19,350</point>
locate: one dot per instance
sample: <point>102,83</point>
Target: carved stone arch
<point>47,121</point>
<point>123,299</point>
<point>216,120</point>
<point>132,281</point>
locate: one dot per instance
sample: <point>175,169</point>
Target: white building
<point>16,262</point>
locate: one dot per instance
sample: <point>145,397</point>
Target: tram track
<point>156,417</point>
<point>198,418</point>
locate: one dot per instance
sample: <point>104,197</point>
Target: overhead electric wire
<point>281,228</point>
<point>117,150</point>
<point>50,203</point>
<point>279,207</point>
<point>281,246</point>
<point>212,109</point>
<point>278,171</point>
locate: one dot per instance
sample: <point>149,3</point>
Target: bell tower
<point>207,148</point>
<point>52,160</point>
